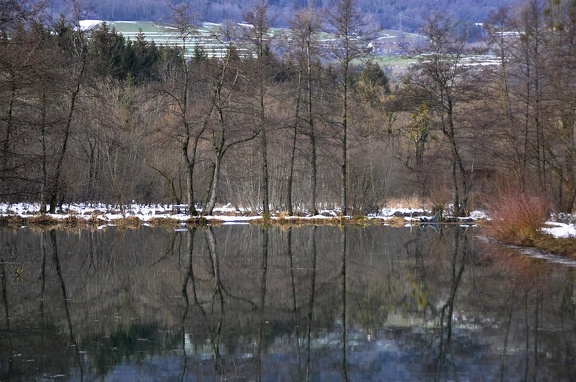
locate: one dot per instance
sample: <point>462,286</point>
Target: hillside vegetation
<point>407,15</point>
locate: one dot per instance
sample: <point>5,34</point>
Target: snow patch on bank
<point>560,230</point>
<point>229,214</point>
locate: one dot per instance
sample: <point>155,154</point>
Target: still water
<point>245,303</point>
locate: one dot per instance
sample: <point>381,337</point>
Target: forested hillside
<point>407,15</point>
<point>93,116</point>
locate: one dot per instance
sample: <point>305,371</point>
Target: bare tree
<point>443,80</point>
<point>26,59</point>
<point>559,98</point>
<point>122,130</point>
<point>306,27</point>
<point>346,22</point>
<point>73,41</point>
<point>189,131</point>
<point>529,72</point>
<point>226,130</point>
<point>259,45</point>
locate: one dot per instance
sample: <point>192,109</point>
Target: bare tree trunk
<point>311,132</point>
<point>211,203</point>
<point>265,176</point>
<point>345,18</point>
<point>460,182</point>
<point>43,164</point>
<point>257,16</point>
<point>306,25</point>
<point>344,164</point>
<point>6,154</point>
<point>290,180</point>
<point>55,189</point>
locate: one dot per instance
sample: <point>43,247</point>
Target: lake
<point>248,303</point>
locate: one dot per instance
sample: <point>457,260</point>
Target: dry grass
<point>164,222</point>
<point>396,221</point>
<point>517,218</point>
<point>43,220</point>
<point>128,222</point>
<point>414,202</point>
<point>12,221</point>
<point>559,246</point>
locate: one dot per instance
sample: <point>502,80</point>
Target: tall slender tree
<point>226,129</point>
<point>306,26</point>
<point>180,92</point>
<point>346,21</point>
<point>442,79</point>
<point>73,41</point>
<point>529,58</point>
<point>560,65</point>
<point>259,45</point>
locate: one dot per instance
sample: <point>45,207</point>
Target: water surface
<point>246,303</point>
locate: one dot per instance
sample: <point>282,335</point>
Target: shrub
<point>517,217</point>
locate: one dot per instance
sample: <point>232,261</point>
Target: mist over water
<point>241,302</point>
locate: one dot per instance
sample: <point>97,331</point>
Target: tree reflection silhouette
<point>56,259</point>
<point>189,275</point>
<point>311,303</point>
<point>297,304</point>
<point>262,306</point>
<point>6,370</point>
<point>459,254</point>
<point>295,317</point>
<point>343,259</point>
<point>213,330</point>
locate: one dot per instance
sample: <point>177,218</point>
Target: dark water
<point>244,303</point>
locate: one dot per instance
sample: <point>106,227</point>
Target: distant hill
<point>404,15</point>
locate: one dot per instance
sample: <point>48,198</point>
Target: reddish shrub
<point>516,217</point>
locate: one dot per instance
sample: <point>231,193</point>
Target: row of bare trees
<point>506,123</point>
<point>294,121</point>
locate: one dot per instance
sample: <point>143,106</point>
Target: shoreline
<point>99,216</point>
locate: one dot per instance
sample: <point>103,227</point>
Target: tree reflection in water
<point>260,303</point>
<point>214,318</point>
<point>65,301</point>
<point>343,260</point>
<point>189,275</point>
<point>6,364</point>
<point>459,252</point>
<point>310,320</point>
<point>295,320</point>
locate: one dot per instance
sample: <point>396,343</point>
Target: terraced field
<point>164,35</point>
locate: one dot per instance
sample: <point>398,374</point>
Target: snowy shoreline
<point>226,214</point>
<point>108,215</point>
